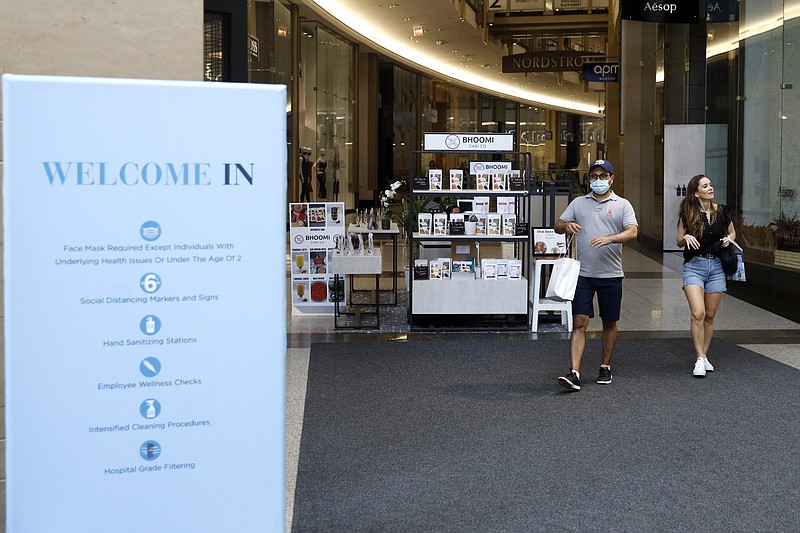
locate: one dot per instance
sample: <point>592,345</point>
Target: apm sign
<point>601,72</point>
<point>669,11</point>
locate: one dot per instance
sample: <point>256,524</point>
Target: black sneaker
<point>571,381</point>
<point>605,376</point>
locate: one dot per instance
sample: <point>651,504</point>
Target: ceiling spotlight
<point>406,19</point>
<point>440,42</point>
<point>454,50</point>
<point>392,6</point>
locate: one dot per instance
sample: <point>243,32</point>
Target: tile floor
<point>653,306</point>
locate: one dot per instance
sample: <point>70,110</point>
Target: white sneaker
<point>699,368</point>
<point>709,366</point>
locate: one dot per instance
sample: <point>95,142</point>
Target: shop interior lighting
<point>346,13</point>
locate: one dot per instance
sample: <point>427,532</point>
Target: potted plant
<point>388,199</point>
<point>787,240</point>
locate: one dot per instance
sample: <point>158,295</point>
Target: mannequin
<point>336,176</point>
<point>322,165</point>
<point>305,174</point>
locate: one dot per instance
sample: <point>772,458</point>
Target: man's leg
<point>609,338</point>
<point>577,341</point>
<point>609,300</point>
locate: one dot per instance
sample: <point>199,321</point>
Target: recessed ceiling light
<point>440,42</point>
<point>406,19</point>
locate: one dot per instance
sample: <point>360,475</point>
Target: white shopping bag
<point>563,279</point>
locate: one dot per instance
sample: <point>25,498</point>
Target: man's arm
<point>628,233</point>
<point>564,226</point>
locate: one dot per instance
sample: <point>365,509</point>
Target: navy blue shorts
<point>609,297</point>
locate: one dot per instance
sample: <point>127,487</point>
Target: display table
<point>378,234</point>
<point>342,265</point>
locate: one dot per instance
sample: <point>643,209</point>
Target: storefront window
<point>533,136</point>
<point>405,116</point>
<point>326,113</point>
<point>769,210</point>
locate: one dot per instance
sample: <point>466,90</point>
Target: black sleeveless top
<point>712,234</point>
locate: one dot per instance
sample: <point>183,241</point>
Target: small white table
<point>342,265</point>
<point>393,232</point>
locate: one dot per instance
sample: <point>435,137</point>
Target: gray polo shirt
<point>599,219</point>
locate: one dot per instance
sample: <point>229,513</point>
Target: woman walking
<point>703,227</point>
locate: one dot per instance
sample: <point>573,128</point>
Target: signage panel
<point>666,11</point>
<point>145,268</point>
<point>561,61</point>
<point>314,231</point>
<point>516,5</point>
<point>470,142</point>
<point>600,72</point>
<point>722,11</point>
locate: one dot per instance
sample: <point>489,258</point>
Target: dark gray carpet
<point>475,435</point>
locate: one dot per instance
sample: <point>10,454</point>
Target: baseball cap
<point>605,165</point>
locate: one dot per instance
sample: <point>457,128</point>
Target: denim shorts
<point>706,273</point>
<point>609,297</point>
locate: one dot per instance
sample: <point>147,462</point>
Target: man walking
<point>601,221</point>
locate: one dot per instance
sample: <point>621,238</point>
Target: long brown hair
<point>690,209</point>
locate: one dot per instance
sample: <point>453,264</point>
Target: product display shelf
<point>464,302</point>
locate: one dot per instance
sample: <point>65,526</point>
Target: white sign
<point>516,5</point>
<point>470,142</point>
<point>144,305</point>
<point>315,229</point>
<point>547,241</point>
<point>476,167</point>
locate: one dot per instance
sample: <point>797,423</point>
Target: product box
<point>502,269</point>
<point>456,179</point>
<point>435,179</point>
<point>482,180</point>
<point>489,269</point>
<point>506,204</point>
<point>509,224</point>
<point>434,269</point>
<point>515,269</point>
<point>498,181</point>
<point>515,180</point>
<point>464,265</point>
<point>440,223</point>
<point>446,264</point>
<point>480,204</point>
<point>481,227</point>
<point>425,222</point>
<point>420,269</point>
<point>493,222</point>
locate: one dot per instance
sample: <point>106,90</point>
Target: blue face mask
<point>600,186</point>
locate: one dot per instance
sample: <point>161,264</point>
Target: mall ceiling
<point>450,45</point>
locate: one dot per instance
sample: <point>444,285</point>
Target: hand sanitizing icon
<point>150,325</point>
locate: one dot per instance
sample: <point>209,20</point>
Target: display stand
<point>464,302</point>
<point>342,265</point>
<point>378,234</point>
<point>542,303</point>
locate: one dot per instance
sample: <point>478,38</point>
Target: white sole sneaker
<point>699,368</point>
<point>709,367</point>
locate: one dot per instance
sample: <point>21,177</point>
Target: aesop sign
<point>546,61</point>
<point>667,11</point>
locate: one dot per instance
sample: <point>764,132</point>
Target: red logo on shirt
<point>610,213</point>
